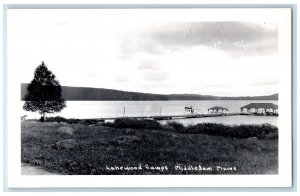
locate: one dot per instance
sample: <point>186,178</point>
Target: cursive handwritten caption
<point>163,168</point>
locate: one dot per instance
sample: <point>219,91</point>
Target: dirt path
<point>27,169</point>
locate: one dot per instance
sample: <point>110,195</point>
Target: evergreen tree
<point>44,94</point>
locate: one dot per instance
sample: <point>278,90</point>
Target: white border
<point>283,179</point>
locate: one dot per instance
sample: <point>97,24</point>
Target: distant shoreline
<point>101,94</point>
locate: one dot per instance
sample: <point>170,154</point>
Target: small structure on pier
<point>189,109</point>
<point>217,109</point>
<point>261,108</point>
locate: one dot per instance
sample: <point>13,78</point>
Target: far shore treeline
<point>101,94</point>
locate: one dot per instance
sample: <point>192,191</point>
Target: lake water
<point>104,109</point>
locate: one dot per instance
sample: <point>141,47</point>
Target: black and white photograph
<point>178,92</point>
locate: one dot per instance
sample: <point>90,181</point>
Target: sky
<point>165,52</point>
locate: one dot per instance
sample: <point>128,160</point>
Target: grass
<point>157,149</point>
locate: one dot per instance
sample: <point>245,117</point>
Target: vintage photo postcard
<point>149,97</point>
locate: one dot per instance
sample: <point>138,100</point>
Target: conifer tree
<point>44,93</point>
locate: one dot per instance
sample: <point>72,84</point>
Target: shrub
<point>176,125</point>
<point>90,121</point>
<point>108,124</point>
<point>73,120</point>
<point>137,124</point>
<point>56,119</point>
<point>265,131</point>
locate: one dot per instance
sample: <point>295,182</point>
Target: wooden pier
<point>171,117</point>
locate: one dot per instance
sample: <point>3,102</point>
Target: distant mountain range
<point>101,94</point>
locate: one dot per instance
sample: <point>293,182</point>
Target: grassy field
<point>146,147</point>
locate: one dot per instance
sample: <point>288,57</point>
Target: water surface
<point>105,109</point>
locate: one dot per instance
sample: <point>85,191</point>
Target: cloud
<point>148,65</point>
<point>235,38</point>
<point>265,82</point>
<point>121,79</point>
<point>155,75</point>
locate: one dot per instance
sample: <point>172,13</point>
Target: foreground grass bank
<point>146,147</point>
